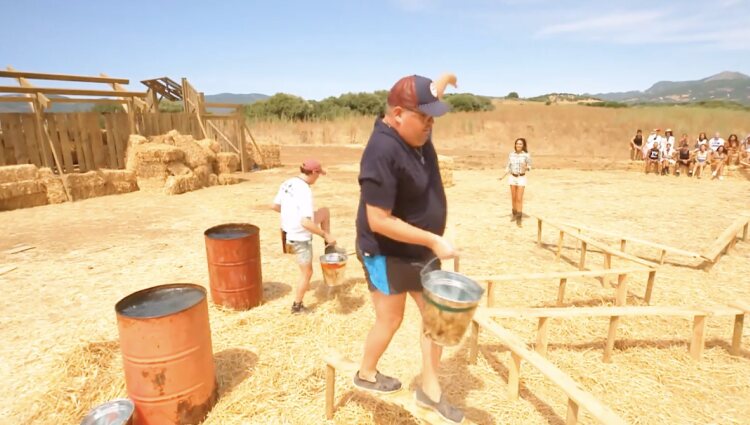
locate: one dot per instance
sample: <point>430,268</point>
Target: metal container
<point>234,268</point>
<point>450,302</point>
<point>333,266</point>
<point>165,340</point>
<point>115,412</point>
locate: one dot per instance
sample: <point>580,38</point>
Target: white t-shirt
<point>296,200</point>
<point>714,143</point>
<point>653,138</point>
<point>667,153</point>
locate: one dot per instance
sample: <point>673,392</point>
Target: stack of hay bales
<point>177,163</point>
<point>446,169</point>
<point>269,156</point>
<point>97,183</point>
<point>20,187</point>
<point>55,189</point>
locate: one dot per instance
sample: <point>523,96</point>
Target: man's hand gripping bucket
<point>450,302</point>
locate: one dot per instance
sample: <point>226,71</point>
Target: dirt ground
<point>60,354</point>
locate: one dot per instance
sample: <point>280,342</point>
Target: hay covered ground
<point>60,353</point>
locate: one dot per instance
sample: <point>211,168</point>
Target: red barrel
<point>233,254</point>
<point>166,349</point>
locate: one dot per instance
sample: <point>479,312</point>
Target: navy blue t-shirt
<point>405,180</point>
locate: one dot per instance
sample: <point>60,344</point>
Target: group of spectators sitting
<point>662,155</point>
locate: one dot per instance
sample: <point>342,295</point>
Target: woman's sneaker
<point>298,307</point>
<point>448,412</point>
<point>383,384</point>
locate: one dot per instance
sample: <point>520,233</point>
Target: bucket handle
<point>426,268</point>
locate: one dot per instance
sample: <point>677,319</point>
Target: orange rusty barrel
<point>234,270</point>
<point>166,349</point>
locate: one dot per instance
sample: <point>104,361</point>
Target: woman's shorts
<point>392,275</point>
<point>303,251</point>
<point>517,181</point>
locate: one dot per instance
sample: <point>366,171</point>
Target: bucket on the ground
<point>450,302</point>
<point>333,266</point>
<point>168,361</point>
<point>115,412</point>
<point>234,268</point>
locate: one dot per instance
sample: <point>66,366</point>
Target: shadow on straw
<point>346,303</point>
<point>275,290</point>
<point>543,408</point>
<point>233,366</point>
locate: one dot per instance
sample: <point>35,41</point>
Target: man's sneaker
<point>448,412</point>
<point>383,384</point>
<point>298,308</point>
<point>721,177</point>
<point>713,174</point>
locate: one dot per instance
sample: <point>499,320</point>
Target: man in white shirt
<point>653,138</point>
<point>299,221</point>
<point>715,142</point>
<point>667,158</point>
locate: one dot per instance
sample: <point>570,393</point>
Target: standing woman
<point>519,162</point>
<point>636,146</point>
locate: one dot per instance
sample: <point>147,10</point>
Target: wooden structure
<point>577,397</point>
<point>621,290</point>
<point>727,240</point>
<point>79,142</point>
<point>697,314</point>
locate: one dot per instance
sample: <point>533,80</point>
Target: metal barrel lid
<point>115,412</point>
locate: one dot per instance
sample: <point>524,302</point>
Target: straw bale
<point>195,154</point>
<point>147,170</point>
<point>55,189</point>
<point>446,169</point>
<point>120,181</point>
<point>22,194</point>
<point>14,173</point>
<point>227,179</point>
<point>213,179</point>
<point>176,185</point>
<point>211,144</point>
<point>202,173</point>
<point>228,162</point>
<point>177,168</point>
<point>268,157</point>
<point>134,141</point>
<point>159,152</point>
<point>91,184</point>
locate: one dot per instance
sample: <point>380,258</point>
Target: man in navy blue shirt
<point>400,223</point>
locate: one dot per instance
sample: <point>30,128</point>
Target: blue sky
<point>316,49</point>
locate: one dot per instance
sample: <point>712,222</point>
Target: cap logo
<point>433,89</point>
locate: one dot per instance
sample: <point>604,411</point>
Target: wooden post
<point>330,390</point>
<point>131,116</point>
<point>514,376</point>
<point>559,245</point>
<point>623,243</point>
<point>732,243</point>
<point>539,231</point>
<point>621,294</point>
<point>614,321</point>
<point>745,231</point>
<point>699,337</point>
<point>456,264</point>
<point>649,286</point>
<point>561,291</point>
<point>737,334</point>
<point>572,417</point>
<point>661,257</point>
<point>474,342</point>
<point>607,266</point>
<point>490,294</point>
<point>541,336</point>
<point>582,263</point>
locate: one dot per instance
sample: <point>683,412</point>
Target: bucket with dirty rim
<point>333,266</point>
<point>450,302</point>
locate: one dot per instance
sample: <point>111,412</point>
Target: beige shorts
<point>516,181</point>
<point>303,251</point>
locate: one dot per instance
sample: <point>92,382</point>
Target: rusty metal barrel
<point>165,340</point>
<point>234,268</point>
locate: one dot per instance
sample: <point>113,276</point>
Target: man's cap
<point>669,130</point>
<point>313,165</point>
<point>420,93</point>
<point>657,129</point>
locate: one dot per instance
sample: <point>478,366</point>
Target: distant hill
<point>724,86</point>
<point>564,98</point>
<point>241,99</point>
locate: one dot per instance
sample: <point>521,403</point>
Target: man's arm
<point>381,221</point>
<point>275,207</point>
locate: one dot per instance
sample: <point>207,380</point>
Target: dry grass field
<point>60,354</point>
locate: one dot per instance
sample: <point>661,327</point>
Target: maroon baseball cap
<point>313,165</point>
<point>417,92</point>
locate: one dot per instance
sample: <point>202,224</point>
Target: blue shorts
<point>392,275</point>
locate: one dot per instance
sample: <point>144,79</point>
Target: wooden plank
<point>698,341</point>
<point>403,398</point>
<point>607,266</point>
<point>614,322</point>
<point>110,141</point>
<point>739,321</point>
<point>662,256</point>
<point>15,137</point>
<point>55,144</point>
<point>330,390</point>
<point>95,101</point>
<point>605,311</point>
<point>621,293</point>
<point>62,77</point>
<point>541,336</point>
<point>74,129</point>
<point>122,135</point>
<point>97,144</point>
<point>32,144</point>
<point>740,305</point>
<point>223,136</point>
<point>730,233</point>
<point>21,143</point>
<point>85,154</point>
<point>47,150</point>
<point>4,138</point>
<point>571,417</point>
<point>582,262</point>
<point>649,286</point>
<point>67,146</point>
<point>559,245</point>
<point>18,248</point>
<point>573,390</point>
<point>7,269</point>
<point>623,245</point>
<point>69,92</point>
<point>745,231</point>
<point>561,291</point>
<point>514,376</point>
<point>490,294</point>
<point>14,99</point>
<point>560,275</point>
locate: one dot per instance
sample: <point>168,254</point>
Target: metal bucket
<point>168,361</point>
<point>234,266</point>
<point>115,412</point>
<point>450,302</point>
<point>334,268</point>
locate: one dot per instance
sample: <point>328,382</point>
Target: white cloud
<point>614,21</point>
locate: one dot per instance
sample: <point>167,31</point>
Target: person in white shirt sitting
<point>715,142</point>
<point>667,158</point>
<point>299,221</point>
<point>653,158</point>
<point>654,137</point>
<point>668,138</point>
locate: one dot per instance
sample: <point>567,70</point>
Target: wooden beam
<point>17,99</point>
<point>561,291</point>
<point>541,336</point>
<point>582,262</point>
<point>607,266</point>
<point>139,103</point>
<point>71,92</point>
<point>739,321</point>
<point>606,311</point>
<point>571,417</point>
<point>649,286</point>
<point>559,275</point>
<point>490,293</point>
<point>621,294</point>
<point>698,341</point>
<point>330,390</point>
<point>725,238</point>
<point>62,77</point>
<point>573,390</point>
<point>85,100</point>
<point>223,136</point>
<point>43,101</point>
<point>614,322</point>
<point>559,245</point>
<point>514,376</point>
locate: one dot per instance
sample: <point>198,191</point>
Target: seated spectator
<point>733,150</point>
<point>683,158</point>
<point>702,140</point>
<point>719,160</point>
<point>745,154</point>
<point>654,137</point>
<point>667,158</point>
<point>636,146</point>
<point>715,142</point>
<point>701,160</point>
<point>653,158</point>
